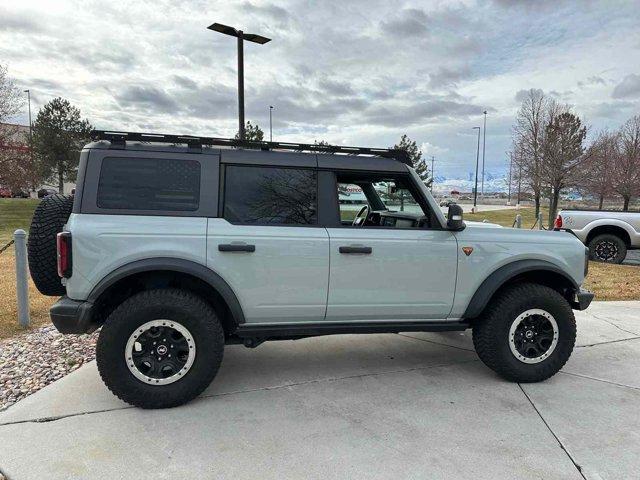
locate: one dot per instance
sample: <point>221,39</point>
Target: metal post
<point>433,172</point>
<point>270,124</point>
<point>241,85</point>
<point>475,190</point>
<point>510,170</point>
<point>540,227</point>
<point>518,221</point>
<point>484,142</point>
<point>22,287</point>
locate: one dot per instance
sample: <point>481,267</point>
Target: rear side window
<point>267,195</point>
<point>149,184</point>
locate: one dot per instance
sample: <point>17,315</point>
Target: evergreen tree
<point>59,134</point>
<point>252,132</point>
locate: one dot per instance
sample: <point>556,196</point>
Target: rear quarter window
<point>149,184</point>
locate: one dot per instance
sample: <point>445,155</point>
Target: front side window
<point>376,201</point>
<point>268,195</point>
<point>149,184</point>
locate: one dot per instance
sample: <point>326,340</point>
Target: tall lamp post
<point>475,190</point>
<point>28,92</point>
<point>241,36</point>
<point>433,172</point>
<point>270,124</point>
<point>484,142</point>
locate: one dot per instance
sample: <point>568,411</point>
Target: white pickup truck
<point>607,233</point>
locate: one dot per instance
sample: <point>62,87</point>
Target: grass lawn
<point>507,216</point>
<point>16,213</point>
<point>609,282</point>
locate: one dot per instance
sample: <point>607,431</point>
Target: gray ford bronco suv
<point>177,246</point>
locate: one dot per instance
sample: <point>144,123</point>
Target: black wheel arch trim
<point>502,275</point>
<point>178,265</point>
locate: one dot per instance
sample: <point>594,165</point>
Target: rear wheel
<point>607,248</point>
<point>160,348</point>
<point>527,334</point>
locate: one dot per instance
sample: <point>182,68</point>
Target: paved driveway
<point>372,406</point>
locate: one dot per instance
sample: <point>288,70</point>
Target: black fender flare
<point>499,277</point>
<point>174,265</point>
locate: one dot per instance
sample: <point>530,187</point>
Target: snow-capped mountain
<point>493,183</point>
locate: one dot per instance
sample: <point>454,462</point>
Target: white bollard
<point>540,227</point>
<point>518,221</point>
<point>22,285</point>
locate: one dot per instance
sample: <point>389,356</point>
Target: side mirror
<point>454,218</point>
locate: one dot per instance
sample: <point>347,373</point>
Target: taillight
<point>558,222</point>
<point>63,244</point>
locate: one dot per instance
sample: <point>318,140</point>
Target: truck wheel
<point>527,333</point>
<point>48,220</point>
<point>607,248</point>
<point>160,348</point>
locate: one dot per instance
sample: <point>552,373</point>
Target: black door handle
<point>355,249</point>
<point>236,247</point>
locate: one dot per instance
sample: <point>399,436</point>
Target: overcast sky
<point>349,72</point>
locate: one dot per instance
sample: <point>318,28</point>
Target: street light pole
<point>240,86</point>
<point>433,173</point>
<point>270,124</point>
<point>28,92</point>
<point>475,190</point>
<point>510,170</point>
<point>241,36</point>
<point>484,142</point>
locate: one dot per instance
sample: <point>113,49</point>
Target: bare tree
<point>563,153</point>
<point>529,132</point>
<point>626,171</point>
<point>597,171</point>
<point>12,158</point>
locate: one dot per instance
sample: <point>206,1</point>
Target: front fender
<point>499,277</point>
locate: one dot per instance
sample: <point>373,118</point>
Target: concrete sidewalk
<point>371,406</point>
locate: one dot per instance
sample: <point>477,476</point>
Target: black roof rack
<point>119,139</point>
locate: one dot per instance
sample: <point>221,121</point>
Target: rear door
<point>266,242</point>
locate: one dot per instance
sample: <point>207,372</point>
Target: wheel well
<point>549,278</point>
<point>124,288</point>
<point>610,229</point>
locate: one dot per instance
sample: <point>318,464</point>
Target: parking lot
<point>413,405</point>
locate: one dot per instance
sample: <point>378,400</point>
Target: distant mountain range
<point>493,183</point>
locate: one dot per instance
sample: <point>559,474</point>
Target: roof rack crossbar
<point>119,139</point>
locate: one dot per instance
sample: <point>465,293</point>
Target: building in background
<point>14,139</point>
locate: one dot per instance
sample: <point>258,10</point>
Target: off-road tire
<point>491,332</point>
<point>48,220</point>
<point>181,306</point>
<point>611,239</point>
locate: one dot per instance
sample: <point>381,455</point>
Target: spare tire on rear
<point>48,220</point>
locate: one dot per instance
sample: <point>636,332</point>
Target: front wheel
<point>527,334</point>
<point>160,348</point>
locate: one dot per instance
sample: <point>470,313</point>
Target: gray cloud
<point>448,76</point>
<point>421,110</point>
<point>410,22</point>
<point>185,82</point>
<point>629,87</point>
<point>335,87</point>
<point>521,95</point>
<point>16,22</point>
<point>146,97</point>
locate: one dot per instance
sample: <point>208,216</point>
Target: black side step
<point>334,328</point>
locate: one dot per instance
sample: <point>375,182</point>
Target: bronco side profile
<point>175,246</point>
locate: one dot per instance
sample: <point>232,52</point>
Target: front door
<point>395,264</point>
